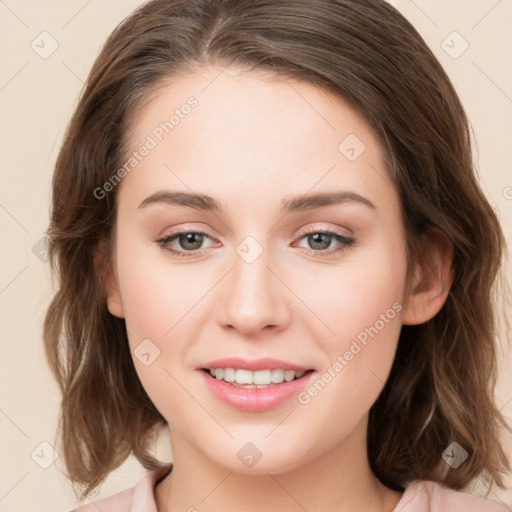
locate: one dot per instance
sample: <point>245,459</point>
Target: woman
<point>326,342</point>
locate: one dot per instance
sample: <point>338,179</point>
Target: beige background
<point>37,97</point>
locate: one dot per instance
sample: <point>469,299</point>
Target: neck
<point>340,480</point>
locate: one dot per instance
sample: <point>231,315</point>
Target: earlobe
<point>432,279</point>
<point>114,304</point>
<point>108,280</point>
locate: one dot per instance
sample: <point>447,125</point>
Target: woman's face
<point>269,273</point>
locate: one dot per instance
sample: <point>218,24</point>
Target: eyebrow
<point>288,205</point>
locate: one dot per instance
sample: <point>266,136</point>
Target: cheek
<point>156,294</point>
<point>358,359</point>
<point>374,311</point>
<point>156,298</point>
<point>361,304</point>
<point>353,295</point>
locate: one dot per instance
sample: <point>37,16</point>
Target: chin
<point>250,458</point>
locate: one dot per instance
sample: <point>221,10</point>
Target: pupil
<point>189,238</point>
<point>317,240</point>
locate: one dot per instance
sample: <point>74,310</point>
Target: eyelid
<point>316,229</point>
<point>346,241</point>
<point>307,231</point>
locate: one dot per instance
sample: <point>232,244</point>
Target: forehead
<point>254,131</point>
<point>232,103</point>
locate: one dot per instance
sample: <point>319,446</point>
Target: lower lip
<point>255,399</point>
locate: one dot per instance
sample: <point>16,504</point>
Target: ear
<point>108,279</point>
<point>432,279</point>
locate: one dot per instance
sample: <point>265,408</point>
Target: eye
<point>190,243</point>
<point>321,240</point>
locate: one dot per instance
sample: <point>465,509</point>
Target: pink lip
<point>266,363</point>
<point>254,399</point>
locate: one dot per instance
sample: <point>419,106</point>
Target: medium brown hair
<point>440,389</point>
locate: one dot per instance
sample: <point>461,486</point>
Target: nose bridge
<point>254,297</point>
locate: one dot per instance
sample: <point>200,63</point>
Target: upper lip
<point>265,363</point>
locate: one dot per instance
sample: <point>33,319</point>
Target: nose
<point>254,296</point>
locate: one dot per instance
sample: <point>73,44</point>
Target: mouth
<point>255,391</point>
<point>259,379</point>
<point>255,385</point>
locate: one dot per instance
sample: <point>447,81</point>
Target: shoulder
<point>429,496</point>
<point>140,497</point>
<point>119,502</point>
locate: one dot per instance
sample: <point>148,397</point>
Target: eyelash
<point>345,242</point>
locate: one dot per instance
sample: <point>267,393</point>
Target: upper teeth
<point>260,377</point>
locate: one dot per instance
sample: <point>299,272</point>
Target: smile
<point>255,391</point>
<point>255,379</point>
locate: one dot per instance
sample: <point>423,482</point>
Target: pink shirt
<point>419,496</point>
